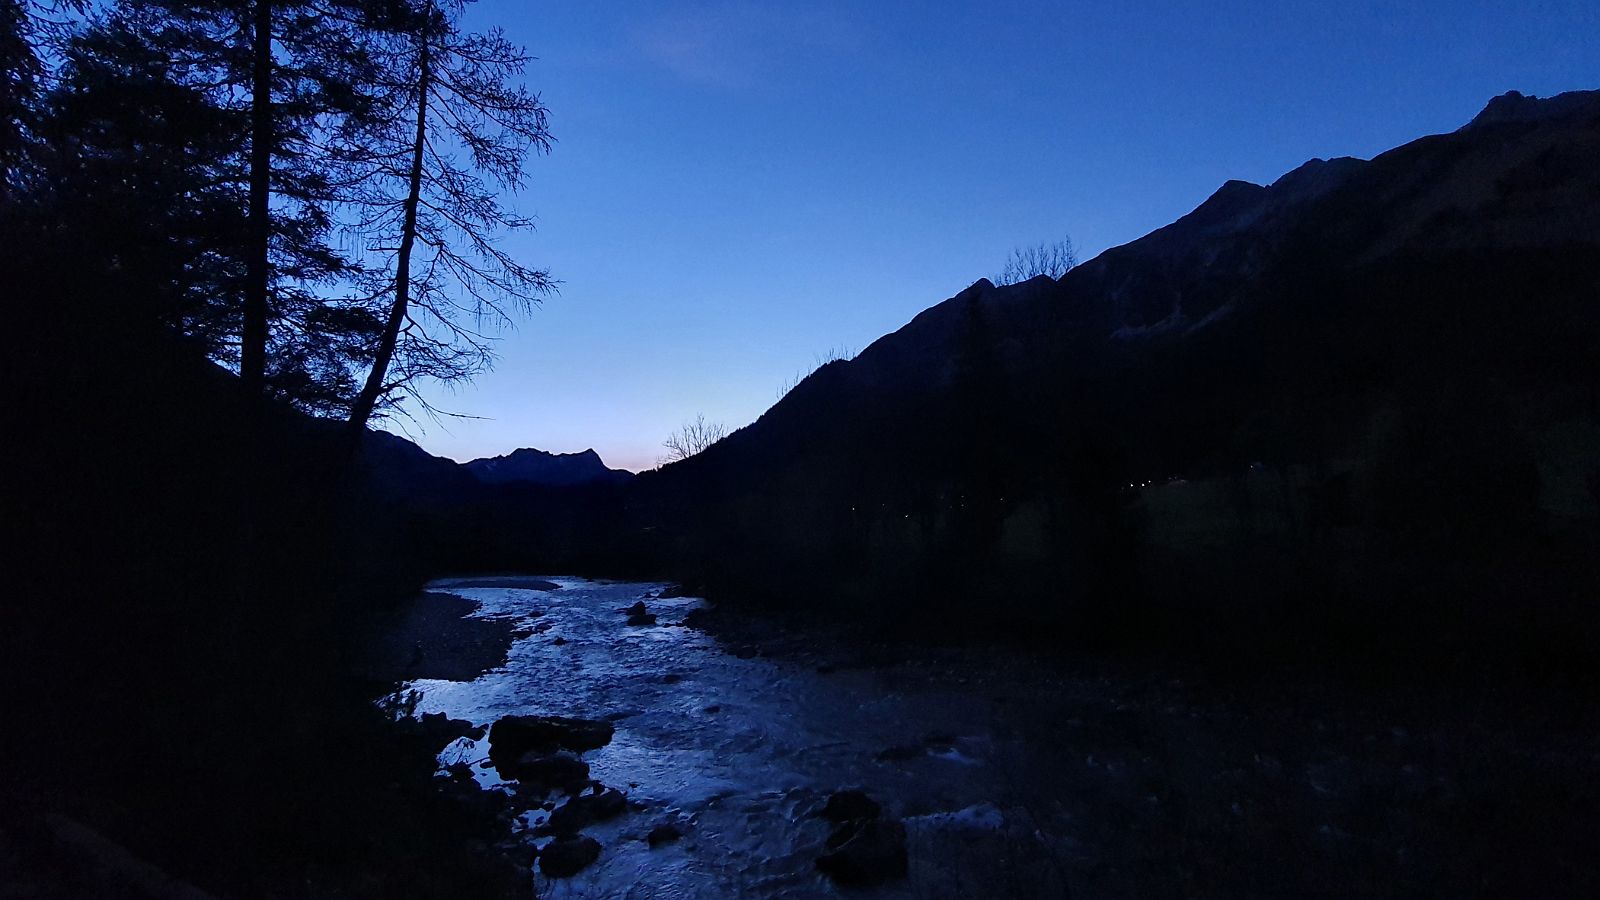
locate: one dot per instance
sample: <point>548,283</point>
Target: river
<point>1014,776</point>
<point>740,751</point>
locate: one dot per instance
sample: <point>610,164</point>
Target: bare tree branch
<point>1054,260</point>
<point>692,438</point>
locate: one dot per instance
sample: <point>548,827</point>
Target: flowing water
<point>1015,775</point>
<point>740,751</point>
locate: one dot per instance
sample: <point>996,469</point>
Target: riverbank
<point>434,635</point>
<point>224,786</point>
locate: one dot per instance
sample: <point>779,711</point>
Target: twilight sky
<point>739,186</point>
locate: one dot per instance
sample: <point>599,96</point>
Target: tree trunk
<point>253,455</point>
<point>253,340</point>
<point>373,389</point>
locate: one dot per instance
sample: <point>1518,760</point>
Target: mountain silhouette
<point>532,466</point>
<point>1404,346</point>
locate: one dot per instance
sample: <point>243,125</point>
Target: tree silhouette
<point>454,128</point>
<point>20,70</point>
<point>692,438</point>
<point>1052,259</point>
<point>141,169</point>
<point>284,81</point>
<point>832,354</point>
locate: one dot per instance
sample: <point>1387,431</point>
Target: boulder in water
<point>864,852</point>
<point>637,609</point>
<point>584,810</point>
<point>513,736</point>
<point>550,771</point>
<point>663,834</point>
<point>850,806</point>
<point>565,857</point>
<point>642,619</point>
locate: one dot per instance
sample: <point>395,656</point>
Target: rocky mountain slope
<point>1359,369</point>
<point>1517,177</point>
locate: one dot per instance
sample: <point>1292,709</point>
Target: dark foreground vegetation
<point>196,559</point>
<point>179,674</point>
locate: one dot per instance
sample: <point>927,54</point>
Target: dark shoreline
<point>435,636</point>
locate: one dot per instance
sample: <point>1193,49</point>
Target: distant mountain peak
<point>530,465</point>
<point>1315,177</point>
<point>1227,202</point>
<point>1515,106</point>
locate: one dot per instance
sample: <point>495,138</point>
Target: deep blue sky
<point>739,186</point>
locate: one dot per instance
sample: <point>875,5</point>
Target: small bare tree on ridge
<point>832,354</point>
<point>692,438</point>
<point>1055,260</point>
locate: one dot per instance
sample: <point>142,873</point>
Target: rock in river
<point>866,852</point>
<point>848,806</point>
<point>584,810</point>
<point>513,736</point>
<point>565,857</point>
<point>663,834</point>
<point>550,771</point>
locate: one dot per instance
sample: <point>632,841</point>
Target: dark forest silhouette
<point>204,210</point>
<point>314,188</point>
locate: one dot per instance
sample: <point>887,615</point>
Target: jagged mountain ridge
<point>1408,339</point>
<point>1519,175</point>
<point>531,466</point>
